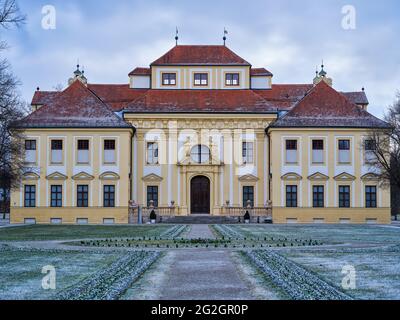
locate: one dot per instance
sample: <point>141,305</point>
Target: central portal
<point>200,195</point>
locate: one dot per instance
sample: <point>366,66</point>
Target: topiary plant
<point>153,216</point>
<point>247,217</point>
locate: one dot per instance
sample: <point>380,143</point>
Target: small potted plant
<point>247,217</point>
<point>153,217</point>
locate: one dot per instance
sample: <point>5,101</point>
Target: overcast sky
<point>289,38</point>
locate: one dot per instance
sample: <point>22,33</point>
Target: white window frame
<point>248,152</point>
<point>152,151</point>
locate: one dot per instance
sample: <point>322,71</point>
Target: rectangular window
<point>201,79</point>
<point>30,196</point>
<point>152,195</point>
<point>56,196</point>
<point>82,196</point>
<point>369,148</point>
<point>291,196</point>
<point>169,79</point>
<point>344,197</point>
<point>318,196</point>
<point>370,197</point>
<point>291,151</point>
<point>248,196</point>
<point>152,153</point>
<point>344,151</point>
<point>109,197</point>
<point>109,151</point>
<point>232,79</point>
<point>318,151</point>
<point>30,151</point>
<point>56,151</point>
<point>248,152</point>
<point>83,151</point>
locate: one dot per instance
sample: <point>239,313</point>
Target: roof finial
<point>176,36</point>
<point>322,73</point>
<point>225,33</point>
<point>363,89</point>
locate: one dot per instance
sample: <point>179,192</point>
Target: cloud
<point>287,37</point>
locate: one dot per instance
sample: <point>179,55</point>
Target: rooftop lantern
<point>78,75</point>
<point>322,76</point>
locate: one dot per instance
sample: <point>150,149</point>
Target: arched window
<point>200,154</point>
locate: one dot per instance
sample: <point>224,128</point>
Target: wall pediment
<point>152,178</point>
<point>370,177</point>
<point>30,176</point>
<point>109,175</point>
<point>56,176</point>
<point>248,178</point>
<point>291,176</point>
<point>345,177</point>
<point>82,176</point>
<point>318,176</point>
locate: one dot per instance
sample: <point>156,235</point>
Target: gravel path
<point>199,231</point>
<point>203,275</point>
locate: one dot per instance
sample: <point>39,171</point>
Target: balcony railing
<point>161,212</point>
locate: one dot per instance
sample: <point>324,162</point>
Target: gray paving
<point>203,275</point>
<point>200,231</point>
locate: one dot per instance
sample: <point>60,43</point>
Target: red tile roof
<point>200,55</point>
<point>260,72</point>
<point>75,107</point>
<point>140,72</point>
<point>284,96</point>
<point>42,97</point>
<point>323,106</point>
<point>164,101</point>
<point>116,96</point>
<point>357,97</point>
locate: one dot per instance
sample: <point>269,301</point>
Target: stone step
<point>200,220</point>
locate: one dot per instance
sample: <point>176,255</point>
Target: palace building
<point>200,131</point>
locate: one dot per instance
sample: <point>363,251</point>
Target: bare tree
<point>11,108</point>
<point>384,146</point>
<point>10,15</point>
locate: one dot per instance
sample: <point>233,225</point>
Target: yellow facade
<point>331,174</point>
<point>69,174</point>
<point>245,157</point>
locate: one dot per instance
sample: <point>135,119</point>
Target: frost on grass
<point>112,282</point>
<point>377,269</point>
<point>21,270</point>
<point>173,232</point>
<point>297,282</point>
<point>227,231</point>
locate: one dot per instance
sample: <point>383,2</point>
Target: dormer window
<point>232,79</point>
<point>201,79</point>
<point>169,79</point>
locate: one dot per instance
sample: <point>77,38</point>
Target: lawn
<point>67,232</point>
<point>21,277</point>
<point>377,270</point>
<point>377,267</point>
<point>333,234</point>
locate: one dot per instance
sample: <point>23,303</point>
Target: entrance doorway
<point>200,195</point>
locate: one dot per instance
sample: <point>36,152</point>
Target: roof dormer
<point>139,78</point>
